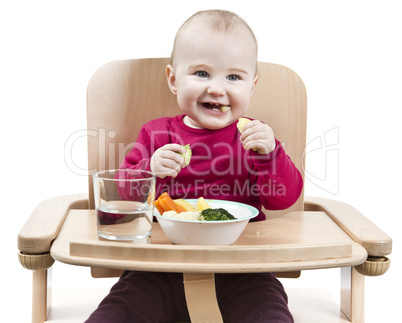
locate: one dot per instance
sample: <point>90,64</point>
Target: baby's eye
<point>201,74</point>
<point>233,77</point>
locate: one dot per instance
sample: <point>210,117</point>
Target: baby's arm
<point>278,179</point>
<point>258,136</point>
<point>166,161</point>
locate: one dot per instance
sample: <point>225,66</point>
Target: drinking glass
<point>124,202</point>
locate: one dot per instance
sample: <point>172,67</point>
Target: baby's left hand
<point>258,136</point>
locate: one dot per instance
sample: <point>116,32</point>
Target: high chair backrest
<point>123,95</point>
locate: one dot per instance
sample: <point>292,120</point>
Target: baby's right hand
<point>166,161</point>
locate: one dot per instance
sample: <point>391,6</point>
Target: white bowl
<point>219,233</point>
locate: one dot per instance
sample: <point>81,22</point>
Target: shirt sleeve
<point>140,156</point>
<point>277,180</point>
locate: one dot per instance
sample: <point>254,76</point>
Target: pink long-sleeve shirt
<point>220,168</point>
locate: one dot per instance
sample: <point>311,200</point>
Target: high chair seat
<point>313,234</point>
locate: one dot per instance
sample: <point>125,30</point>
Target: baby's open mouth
<point>216,106</point>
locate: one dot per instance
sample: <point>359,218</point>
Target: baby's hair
<point>218,20</point>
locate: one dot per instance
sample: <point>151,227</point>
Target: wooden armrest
<point>42,227</point>
<point>359,228</point>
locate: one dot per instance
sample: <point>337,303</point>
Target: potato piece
<point>184,204</point>
<point>202,204</point>
<point>187,154</point>
<point>241,123</point>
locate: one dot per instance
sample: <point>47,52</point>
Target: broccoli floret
<point>216,215</point>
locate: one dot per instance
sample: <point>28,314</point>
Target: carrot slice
<point>163,205</point>
<point>167,205</point>
<point>162,196</point>
<point>157,202</point>
<point>180,208</point>
<point>172,205</point>
<point>159,207</point>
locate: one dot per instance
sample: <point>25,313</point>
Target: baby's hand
<point>166,161</point>
<point>258,136</point>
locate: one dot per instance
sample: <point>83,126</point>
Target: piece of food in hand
<point>184,204</point>
<point>202,204</point>
<point>216,215</point>
<point>241,123</point>
<point>187,154</point>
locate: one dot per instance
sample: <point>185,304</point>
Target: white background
<point>347,52</point>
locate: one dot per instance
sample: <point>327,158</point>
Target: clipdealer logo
<point>321,154</point>
<point>322,161</point>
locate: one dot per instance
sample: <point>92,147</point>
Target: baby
<point>213,73</point>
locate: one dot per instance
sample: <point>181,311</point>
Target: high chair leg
<point>41,295</point>
<point>352,294</point>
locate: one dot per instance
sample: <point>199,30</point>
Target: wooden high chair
<point>314,233</point>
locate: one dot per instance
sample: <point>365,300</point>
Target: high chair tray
<point>295,241</point>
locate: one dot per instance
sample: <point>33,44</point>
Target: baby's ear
<point>171,78</point>
<point>254,84</point>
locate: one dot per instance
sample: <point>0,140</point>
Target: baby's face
<point>214,75</point>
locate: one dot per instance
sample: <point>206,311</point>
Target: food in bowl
<point>202,204</point>
<point>210,214</point>
<point>218,233</point>
<point>218,214</point>
<point>189,215</point>
<point>165,203</point>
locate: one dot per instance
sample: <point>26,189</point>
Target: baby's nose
<point>216,88</point>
